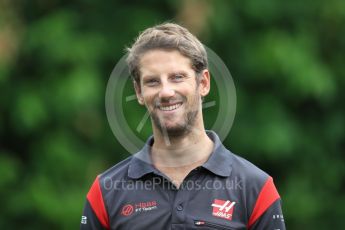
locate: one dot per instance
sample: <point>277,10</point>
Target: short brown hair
<point>169,36</point>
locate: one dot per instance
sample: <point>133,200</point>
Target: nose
<point>166,91</point>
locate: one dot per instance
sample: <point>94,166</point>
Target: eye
<point>151,82</point>
<point>177,77</point>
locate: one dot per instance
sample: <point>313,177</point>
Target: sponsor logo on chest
<point>223,209</point>
<point>140,207</point>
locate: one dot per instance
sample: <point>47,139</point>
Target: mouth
<point>170,107</point>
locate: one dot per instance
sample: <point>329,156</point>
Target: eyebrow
<point>181,72</point>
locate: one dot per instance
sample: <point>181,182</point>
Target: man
<point>183,178</point>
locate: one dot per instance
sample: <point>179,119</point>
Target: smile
<point>170,107</point>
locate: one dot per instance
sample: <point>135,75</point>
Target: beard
<point>184,126</point>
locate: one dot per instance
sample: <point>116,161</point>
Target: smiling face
<point>170,91</point>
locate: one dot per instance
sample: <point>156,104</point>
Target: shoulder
<point>105,182</point>
<point>117,172</point>
<point>96,197</point>
<point>258,191</point>
<point>249,173</point>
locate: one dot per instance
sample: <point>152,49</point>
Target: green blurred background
<point>56,56</point>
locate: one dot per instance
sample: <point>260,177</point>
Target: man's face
<point>169,89</point>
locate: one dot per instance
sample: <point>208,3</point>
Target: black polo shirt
<point>226,192</point>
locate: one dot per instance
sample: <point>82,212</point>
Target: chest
<point>201,202</point>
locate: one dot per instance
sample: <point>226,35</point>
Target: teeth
<point>169,108</point>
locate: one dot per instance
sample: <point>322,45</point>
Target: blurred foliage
<point>286,58</point>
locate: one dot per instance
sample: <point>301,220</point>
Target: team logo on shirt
<point>127,210</point>
<point>223,208</point>
<point>139,207</point>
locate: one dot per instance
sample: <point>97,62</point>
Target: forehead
<point>157,62</point>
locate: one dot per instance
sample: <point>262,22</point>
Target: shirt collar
<point>141,163</point>
<point>219,162</point>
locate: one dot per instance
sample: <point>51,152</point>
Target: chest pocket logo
<point>223,209</point>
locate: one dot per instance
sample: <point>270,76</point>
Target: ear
<point>137,88</point>
<point>204,83</point>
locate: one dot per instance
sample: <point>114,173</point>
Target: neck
<point>189,150</point>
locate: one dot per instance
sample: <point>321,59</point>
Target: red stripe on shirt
<point>268,195</point>
<point>95,199</point>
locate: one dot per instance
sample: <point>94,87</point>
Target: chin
<point>174,130</point>
<point>177,132</point>
<point>175,126</point>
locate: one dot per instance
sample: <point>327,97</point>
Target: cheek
<point>149,101</point>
